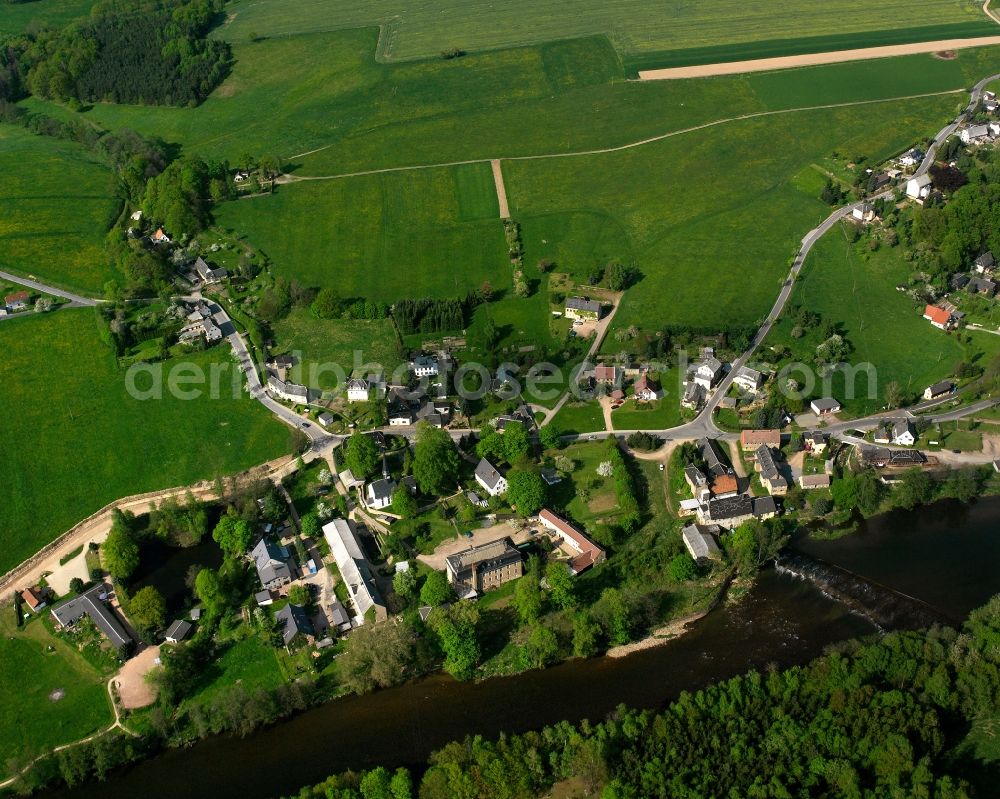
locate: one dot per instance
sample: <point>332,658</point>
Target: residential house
<point>749,379</point>
<point>724,485</point>
<point>902,433</point>
<point>864,213</point>
<point>985,263</point>
<point>357,390</point>
<point>206,273</point>
<point>582,308</point>
<point>424,366</point>
<point>813,481</point>
<point>286,390</point>
<point>588,553</point>
<point>645,389</point>
<point>159,237</point>
<point>378,495</point>
<point>292,621</point>
<point>763,507</point>
<point>478,569</point>
<point>728,512</point>
<point>435,413</point>
<point>708,372</point>
<point>354,569</point>
<point>983,286</point>
<point>401,414</point>
<point>941,389</point>
<point>883,433</point>
<point>339,617</point>
<point>177,631</point>
<point>35,598</point>
<point>750,440</point>
<point>941,318</point>
<point>607,375</point>
<point>490,478</point>
<point>912,157</point>
<point>975,134</point>
<point>767,467</point>
<point>883,458</point>
<point>17,301</point>
<point>326,418</point>
<point>263,598</point>
<point>879,181</point>
<point>694,396</point>
<point>919,187</point>
<point>958,282</point>
<point>521,416</point>
<point>700,540</point>
<point>272,564</point>
<point>815,442</point>
<point>697,482</point>
<point>825,406</point>
<point>93,604</point>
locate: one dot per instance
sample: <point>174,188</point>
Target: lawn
<point>587,497</point>
<point>576,417</point>
<point>79,440</point>
<point>423,30</point>
<point>56,204</point>
<point>30,721</point>
<point>249,662</point>
<point>318,344</point>
<point>424,233</point>
<point>846,284</point>
<point>21,17</point>
<point>713,250</point>
<point>659,415</point>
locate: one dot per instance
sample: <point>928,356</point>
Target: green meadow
<point>31,720</point>
<point>846,284</point>
<point>56,204</point>
<point>421,30</point>
<point>420,233</point>
<point>20,17</point>
<point>78,440</point>
<point>710,218</point>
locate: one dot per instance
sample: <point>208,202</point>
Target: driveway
<point>483,535</point>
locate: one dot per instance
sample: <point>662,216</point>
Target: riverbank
<point>662,635</point>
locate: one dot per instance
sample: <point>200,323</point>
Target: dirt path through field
<point>814,59</point>
<point>501,190</point>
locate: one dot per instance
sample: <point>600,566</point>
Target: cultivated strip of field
<point>501,191</point>
<point>814,59</point>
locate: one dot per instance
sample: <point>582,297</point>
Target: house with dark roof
<point>177,631</point>
<point>697,482</point>
<point>582,308</point>
<point>354,568</point>
<point>646,390</point>
<point>339,617</point>
<point>286,390</point>
<point>942,389</point>
<point>272,564</point>
<point>478,569</point>
<point>207,274</point>
<point>824,406</point>
<point>378,495</point>
<point>767,468</point>
<point>983,286</point>
<point>588,553</point>
<point>93,603</point>
<point>292,621</point>
<point>985,263</point>
<point>902,433</point>
<point>489,477</point>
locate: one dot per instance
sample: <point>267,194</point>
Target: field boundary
<point>814,59</point>
<point>501,190</point>
<point>290,178</point>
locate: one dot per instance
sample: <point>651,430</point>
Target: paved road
<point>75,300</point>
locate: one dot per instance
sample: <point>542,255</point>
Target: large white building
<point>354,569</point>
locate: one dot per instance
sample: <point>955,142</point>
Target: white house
<point>424,366</point>
<point>824,406</point>
<point>357,390</point>
<point>911,157</point>
<point>378,495</point>
<point>286,390</point>
<point>489,477</point>
<point>902,433</point>
<point>985,263</point>
<point>708,372</point>
<point>941,389</point>
<point>919,187</point>
<point>863,213</point>
<point>975,133</point>
<point>749,379</point>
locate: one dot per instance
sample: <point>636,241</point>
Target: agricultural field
<point>33,718</point>
<point>637,26</point>
<point>21,17</point>
<point>857,289</point>
<point>318,342</point>
<point>56,204</point>
<point>710,217</point>
<point>421,233</point>
<point>79,440</point>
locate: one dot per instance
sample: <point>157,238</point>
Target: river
<point>946,555</point>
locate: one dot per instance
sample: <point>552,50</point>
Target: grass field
<point>424,233</point>
<point>20,17</point>
<point>31,722</point>
<point>334,341</point>
<point>845,284</point>
<point>249,662</point>
<point>77,440</point>
<point>580,418</point>
<point>56,204</point>
<point>414,31</point>
<point>710,218</point>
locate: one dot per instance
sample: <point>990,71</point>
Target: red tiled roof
<point>16,296</point>
<point>590,553</point>
<point>603,372</point>
<point>724,484</point>
<point>937,315</point>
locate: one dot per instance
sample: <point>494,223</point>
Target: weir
<point>883,606</point>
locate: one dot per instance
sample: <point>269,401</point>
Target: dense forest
<point>151,51</point>
<point>897,717</point>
